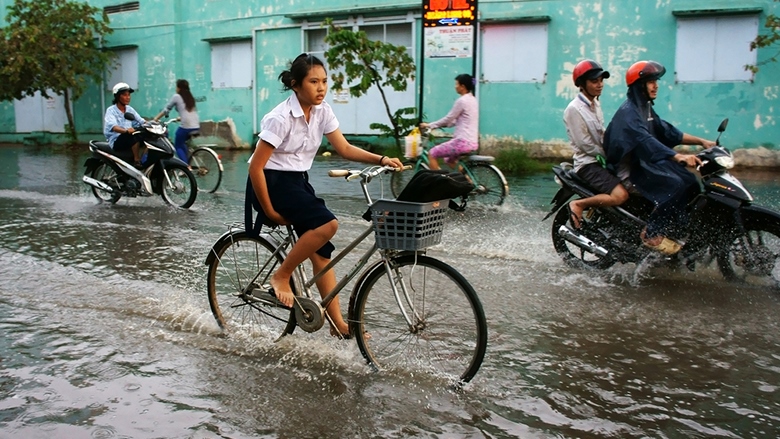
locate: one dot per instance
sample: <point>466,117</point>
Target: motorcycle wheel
<point>106,174</point>
<point>754,257</point>
<point>180,187</point>
<point>572,255</point>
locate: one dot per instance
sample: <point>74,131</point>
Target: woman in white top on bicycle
<point>190,121</point>
<point>290,136</point>
<point>464,115</point>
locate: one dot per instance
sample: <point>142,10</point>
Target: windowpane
<point>231,64</point>
<point>315,40</point>
<point>374,33</point>
<point>399,34</point>
<point>124,69</point>
<point>715,48</point>
<point>514,52</point>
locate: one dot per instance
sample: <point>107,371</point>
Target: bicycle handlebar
<point>365,174</point>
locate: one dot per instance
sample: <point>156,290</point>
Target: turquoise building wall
<point>173,39</point>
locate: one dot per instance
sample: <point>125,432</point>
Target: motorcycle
<point>724,225</point>
<point>112,176</point>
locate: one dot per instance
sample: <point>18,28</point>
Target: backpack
<point>429,185</point>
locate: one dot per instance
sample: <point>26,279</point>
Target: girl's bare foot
<point>282,291</point>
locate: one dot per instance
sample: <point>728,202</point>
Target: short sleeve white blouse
<point>295,140</point>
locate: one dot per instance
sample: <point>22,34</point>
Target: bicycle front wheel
<point>434,324</point>
<point>239,269</point>
<point>490,184</point>
<point>206,168</point>
<point>399,180</point>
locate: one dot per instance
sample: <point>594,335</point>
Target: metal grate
<point>124,7</point>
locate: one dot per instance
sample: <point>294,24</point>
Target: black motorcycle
<point>743,238</point>
<point>111,174</point>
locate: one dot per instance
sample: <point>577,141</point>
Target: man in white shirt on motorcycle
<point>585,127</point>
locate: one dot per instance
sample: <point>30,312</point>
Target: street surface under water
<point>107,331</point>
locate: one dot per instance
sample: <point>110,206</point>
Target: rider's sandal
<point>576,221</point>
<point>335,333</point>
<point>666,246</point>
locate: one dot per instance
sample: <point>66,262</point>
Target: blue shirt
<point>114,117</point>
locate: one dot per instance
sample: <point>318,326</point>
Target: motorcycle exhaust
<point>581,241</point>
<point>98,184</point>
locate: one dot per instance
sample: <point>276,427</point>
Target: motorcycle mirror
<point>721,129</point>
<point>129,116</point>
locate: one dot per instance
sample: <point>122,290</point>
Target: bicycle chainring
<point>309,315</point>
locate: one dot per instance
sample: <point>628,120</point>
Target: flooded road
<point>107,331</point>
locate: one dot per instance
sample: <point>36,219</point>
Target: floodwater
<point>107,331</point>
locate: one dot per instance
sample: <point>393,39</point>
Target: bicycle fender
<point>379,265</point>
<point>214,153</point>
<point>232,234</point>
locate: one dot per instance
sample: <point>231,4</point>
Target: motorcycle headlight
<point>558,181</point>
<point>725,161</point>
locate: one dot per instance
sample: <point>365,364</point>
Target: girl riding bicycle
<point>464,115</point>
<point>278,186</point>
<point>185,106</point>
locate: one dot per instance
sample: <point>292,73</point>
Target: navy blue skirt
<point>293,198</point>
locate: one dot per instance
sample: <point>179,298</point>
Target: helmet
<point>645,71</point>
<point>121,86</point>
<point>587,69</point>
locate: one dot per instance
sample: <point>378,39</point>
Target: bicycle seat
<point>193,135</point>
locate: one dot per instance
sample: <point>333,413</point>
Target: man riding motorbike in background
<point>639,141</point>
<point>117,129</point>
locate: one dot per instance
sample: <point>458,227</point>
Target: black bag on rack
<point>429,185</point>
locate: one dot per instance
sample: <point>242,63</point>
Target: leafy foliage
<point>52,45</point>
<point>769,39</point>
<point>362,63</point>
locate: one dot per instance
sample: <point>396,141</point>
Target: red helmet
<point>645,71</point>
<point>587,69</point>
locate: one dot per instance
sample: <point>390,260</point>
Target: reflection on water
<point>108,333</point>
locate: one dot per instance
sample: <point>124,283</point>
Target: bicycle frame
<point>386,256</point>
<point>423,158</point>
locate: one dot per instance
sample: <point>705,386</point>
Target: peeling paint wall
<point>172,38</point>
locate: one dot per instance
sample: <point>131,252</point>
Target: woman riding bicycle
<point>464,115</point>
<point>278,185</point>
<point>185,106</point>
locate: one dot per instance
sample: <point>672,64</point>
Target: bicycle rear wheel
<point>239,269</point>
<point>399,180</point>
<point>206,168</point>
<point>491,186</point>
<point>448,332</point>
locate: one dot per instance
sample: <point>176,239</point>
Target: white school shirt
<point>585,127</point>
<point>295,141</point>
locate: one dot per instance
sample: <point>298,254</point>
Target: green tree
<point>768,39</point>
<point>362,63</point>
<point>52,46</point>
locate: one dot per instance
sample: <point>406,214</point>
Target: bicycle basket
<point>403,225</point>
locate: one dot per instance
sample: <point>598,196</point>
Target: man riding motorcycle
<point>118,129</point>
<point>639,141</point>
